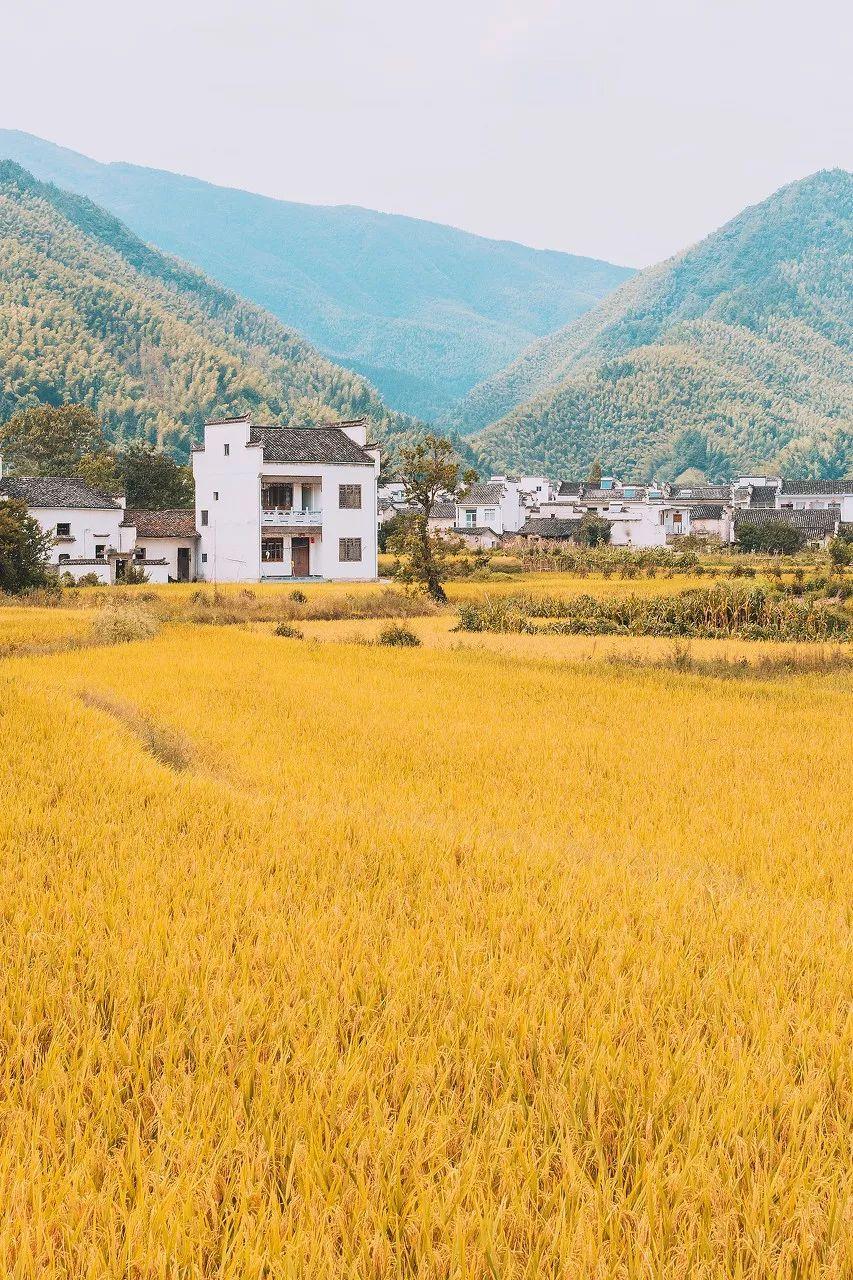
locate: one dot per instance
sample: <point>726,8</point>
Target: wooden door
<point>300,551</point>
<point>183,564</point>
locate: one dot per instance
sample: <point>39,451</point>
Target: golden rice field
<point>330,960</point>
<point>24,628</point>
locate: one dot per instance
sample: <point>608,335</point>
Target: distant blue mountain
<point>424,311</point>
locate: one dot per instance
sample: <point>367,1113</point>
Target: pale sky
<point>624,129</point>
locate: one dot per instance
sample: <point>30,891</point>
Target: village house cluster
<point>639,515</point>
<point>283,503</point>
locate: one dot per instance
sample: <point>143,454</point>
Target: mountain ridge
<point>428,309</point>
<point>90,313</point>
<point>752,333</point>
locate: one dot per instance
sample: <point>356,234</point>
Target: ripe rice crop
<point>343,961</point>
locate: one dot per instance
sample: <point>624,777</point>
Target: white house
<point>817,495</point>
<point>278,502</point>
<point>169,536</point>
<point>83,523</point>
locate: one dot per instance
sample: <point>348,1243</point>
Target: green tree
<point>593,531</point>
<point>782,539</point>
<point>841,552</point>
<point>24,549</point>
<point>594,477</point>
<point>50,441</point>
<point>101,471</point>
<point>748,537</point>
<point>429,469</point>
<point>152,480</point>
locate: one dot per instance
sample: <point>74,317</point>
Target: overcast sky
<point>624,129</point>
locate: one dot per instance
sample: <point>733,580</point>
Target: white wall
<point>230,542</point>
<point>167,549</point>
<point>88,529</point>
<point>339,523</point>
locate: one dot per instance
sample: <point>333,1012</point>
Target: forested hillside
<point>90,314</point>
<point>423,311</point>
<point>745,339</point>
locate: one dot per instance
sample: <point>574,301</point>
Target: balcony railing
<point>291,519</point>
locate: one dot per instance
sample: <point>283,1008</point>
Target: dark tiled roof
<point>177,522</point>
<point>705,492</point>
<point>763,495</point>
<point>818,487</point>
<point>324,444</point>
<point>482,494</point>
<point>476,530</point>
<point>569,488</point>
<point>444,511</point>
<point>816,523</point>
<point>63,564</point>
<point>61,492</point>
<point>706,511</point>
<point>549,527</point>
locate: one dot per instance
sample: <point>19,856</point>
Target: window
<point>63,531</point>
<point>307,497</point>
<point>470,519</point>
<point>490,514</point>
<point>99,550</point>
<point>204,557</point>
<point>277,497</point>
<point>139,553</point>
<point>204,517</point>
<point>227,450</point>
<point>349,551</point>
<point>349,497</point>
<point>64,557</point>
<point>215,495</point>
<point>272,550</point>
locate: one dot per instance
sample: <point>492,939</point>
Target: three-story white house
<point>279,502</point>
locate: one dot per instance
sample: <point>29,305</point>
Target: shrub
<point>298,597</point>
<point>397,636</point>
<point>123,623</point>
<point>287,630</point>
<point>134,575</point>
<point>841,552</point>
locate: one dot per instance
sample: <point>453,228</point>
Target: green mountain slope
<point>746,338</point>
<point>424,311</point>
<point>89,313</point>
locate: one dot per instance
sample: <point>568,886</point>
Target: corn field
<point>329,960</point>
<point>712,612</point>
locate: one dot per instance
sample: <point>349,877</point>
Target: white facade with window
<point>286,502</point>
<point>82,523</point>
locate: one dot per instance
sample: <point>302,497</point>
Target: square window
<point>63,531</point>
<point>349,497</point>
<point>349,550</point>
<point>99,551</point>
<point>204,517</point>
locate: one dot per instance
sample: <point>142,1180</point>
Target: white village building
<point>93,536</point>
<point>277,503</point>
